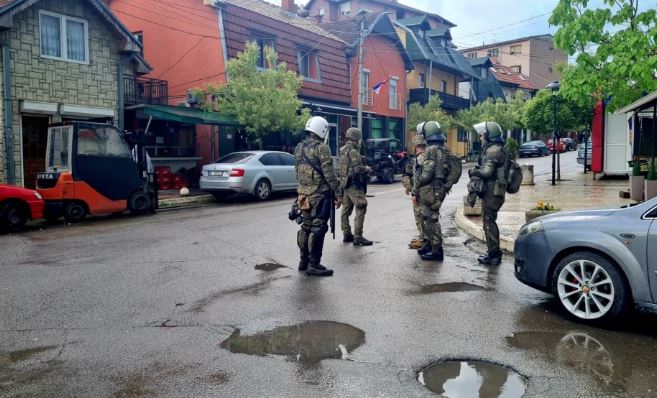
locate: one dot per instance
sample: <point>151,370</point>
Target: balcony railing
<point>450,102</point>
<point>141,90</point>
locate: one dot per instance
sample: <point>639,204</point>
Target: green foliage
<point>615,48</point>
<point>431,111</point>
<point>512,148</point>
<point>652,171</point>
<point>263,101</point>
<point>636,169</point>
<point>507,114</point>
<point>538,114</point>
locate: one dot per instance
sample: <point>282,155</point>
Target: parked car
<point>257,173</point>
<point>561,146</point>
<point>570,144</point>
<point>17,205</point>
<point>597,263</point>
<point>533,148</point>
<point>589,152</point>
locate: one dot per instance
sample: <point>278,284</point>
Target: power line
<point>182,57</point>
<point>163,25</point>
<point>504,26</point>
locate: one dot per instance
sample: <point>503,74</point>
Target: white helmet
<point>317,125</point>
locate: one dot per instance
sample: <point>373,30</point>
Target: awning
<point>328,106</point>
<point>639,104</point>
<point>186,115</point>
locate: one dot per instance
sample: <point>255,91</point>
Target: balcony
<point>141,90</point>
<point>449,102</point>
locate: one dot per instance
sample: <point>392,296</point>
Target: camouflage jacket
<point>350,164</point>
<point>432,166</point>
<point>407,173</point>
<point>315,171</point>
<point>493,164</point>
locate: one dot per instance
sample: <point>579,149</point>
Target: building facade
<point>60,62</point>
<point>534,56</point>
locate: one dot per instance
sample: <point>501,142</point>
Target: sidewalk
<point>576,191</point>
<point>172,198</point>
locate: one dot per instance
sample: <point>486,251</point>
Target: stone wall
<point>35,78</point>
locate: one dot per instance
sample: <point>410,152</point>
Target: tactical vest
<point>345,168</point>
<point>309,172</point>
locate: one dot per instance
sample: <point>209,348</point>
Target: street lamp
<point>554,86</point>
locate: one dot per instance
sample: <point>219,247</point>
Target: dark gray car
<point>597,263</point>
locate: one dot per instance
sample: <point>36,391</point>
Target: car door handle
<point>627,236</point>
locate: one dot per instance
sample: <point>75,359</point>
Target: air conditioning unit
<point>191,99</point>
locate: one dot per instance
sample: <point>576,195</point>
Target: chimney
<point>288,5</point>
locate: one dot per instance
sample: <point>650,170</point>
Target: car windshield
<point>237,157</point>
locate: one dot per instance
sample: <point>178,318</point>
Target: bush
<point>652,171</point>
<point>512,147</point>
<point>636,169</point>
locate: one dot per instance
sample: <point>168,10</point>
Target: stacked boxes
<point>168,180</point>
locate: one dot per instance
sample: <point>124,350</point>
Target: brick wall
<point>45,80</point>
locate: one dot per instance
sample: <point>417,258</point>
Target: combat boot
<point>348,238</point>
<point>436,254</point>
<point>361,241</point>
<point>494,258</point>
<point>415,244</point>
<point>318,270</point>
<point>426,248</point>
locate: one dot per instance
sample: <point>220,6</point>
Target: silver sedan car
<point>257,173</point>
<point>597,263</point>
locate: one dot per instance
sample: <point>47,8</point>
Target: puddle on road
<point>472,379</point>
<point>307,343</point>
<point>10,377</point>
<point>449,287</point>
<point>269,267</point>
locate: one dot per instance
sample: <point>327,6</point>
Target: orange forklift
<point>91,170</point>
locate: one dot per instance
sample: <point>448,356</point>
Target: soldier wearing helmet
<point>317,178</point>
<point>492,171</point>
<point>431,189</point>
<point>353,175</point>
<point>412,171</point>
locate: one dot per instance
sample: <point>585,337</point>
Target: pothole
<point>449,287</point>
<point>472,379</point>
<point>269,266</point>
<point>306,343</point>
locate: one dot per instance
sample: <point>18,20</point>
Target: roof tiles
<point>507,75</point>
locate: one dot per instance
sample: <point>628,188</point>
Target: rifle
<point>332,219</point>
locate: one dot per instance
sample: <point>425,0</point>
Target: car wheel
<point>262,190</point>
<point>139,203</point>
<point>74,212</point>
<point>13,217</point>
<point>590,288</point>
<point>388,176</point>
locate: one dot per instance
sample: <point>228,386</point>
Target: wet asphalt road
<point>172,305</point>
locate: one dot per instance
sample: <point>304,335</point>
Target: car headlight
<point>38,195</point>
<point>531,228</point>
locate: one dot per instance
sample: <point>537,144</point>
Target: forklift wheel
<point>139,203</point>
<point>74,212</point>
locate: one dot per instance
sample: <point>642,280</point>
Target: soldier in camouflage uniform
<point>412,171</point>
<point>492,171</point>
<point>431,189</point>
<point>317,178</point>
<point>353,174</point>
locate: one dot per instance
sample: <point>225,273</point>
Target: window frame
<point>422,80</point>
<point>443,86</point>
<point>309,52</point>
<point>511,49</point>
<point>262,42</point>
<point>494,52</point>
<point>63,37</point>
<point>392,98</point>
<point>518,70</point>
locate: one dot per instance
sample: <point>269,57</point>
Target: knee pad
<point>302,238</point>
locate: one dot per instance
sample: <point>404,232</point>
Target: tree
<point>507,114</point>
<point>538,114</point>
<point>616,50</point>
<point>264,101</point>
<point>431,111</point>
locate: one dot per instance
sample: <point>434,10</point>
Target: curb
<point>476,231</point>
<point>182,201</point>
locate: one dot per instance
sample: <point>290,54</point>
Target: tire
<point>13,217</point>
<point>594,301</point>
<point>388,176</point>
<point>74,212</point>
<point>262,190</point>
<point>139,203</point>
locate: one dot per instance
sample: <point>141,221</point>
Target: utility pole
<point>361,89</point>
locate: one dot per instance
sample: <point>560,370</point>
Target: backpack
<point>513,175</point>
<point>454,167</point>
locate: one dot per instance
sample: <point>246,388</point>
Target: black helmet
<point>437,139</point>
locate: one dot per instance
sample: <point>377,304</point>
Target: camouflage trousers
<point>431,222</point>
<point>353,198</point>
<point>417,213</point>
<point>310,237</point>
<point>491,205</point>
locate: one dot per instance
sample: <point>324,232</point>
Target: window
<point>140,38</point>
<point>393,95</point>
<point>101,141</point>
<point>308,64</point>
<point>443,86</point>
<point>493,52</point>
<point>288,160</point>
<point>345,8</point>
<point>63,37</point>
<point>516,69</point>
<point>517,49</point>
<point>423,80</point>
<point>271,159</point>
<point>365,89</point>
<point>472,55</point>
<point>262,57</point>
<point>484,75</point>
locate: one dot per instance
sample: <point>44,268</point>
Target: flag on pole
<point>377,87</point>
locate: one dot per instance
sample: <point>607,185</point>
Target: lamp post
<point>554,86</point>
